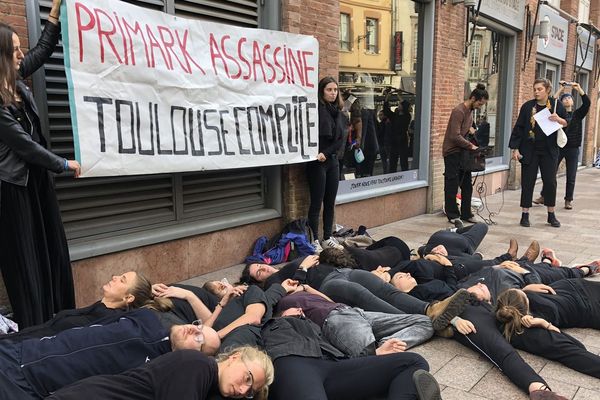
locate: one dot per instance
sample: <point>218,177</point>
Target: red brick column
<point>320,18</point>
<point>447,89</point>
<point>592,139</point>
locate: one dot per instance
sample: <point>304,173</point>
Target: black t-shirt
<point>183,374</point>
<point>432,290</point>
<point>236,307</point>
<point>563,308</point>
<point>497,280</point>
<point>183,309</point>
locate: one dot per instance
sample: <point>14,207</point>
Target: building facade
<point>429,54</point>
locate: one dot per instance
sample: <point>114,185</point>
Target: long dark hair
<point>324,82</point>
<point>8,75</point>
<point>247,278</point>
<point>337,258</point>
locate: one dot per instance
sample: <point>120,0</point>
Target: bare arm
<point>310,290</point>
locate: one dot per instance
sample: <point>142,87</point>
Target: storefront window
<point>486,64</point>
<point>382,59</point>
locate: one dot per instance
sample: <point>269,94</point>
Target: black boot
<point>525,220</point>
<point>552,220</point>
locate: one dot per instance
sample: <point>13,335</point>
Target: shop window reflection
<point>382,59</point>
<point>485,64</point>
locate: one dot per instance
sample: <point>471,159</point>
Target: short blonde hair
<point>253,354</point>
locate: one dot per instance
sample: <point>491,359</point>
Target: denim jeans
<point>358,333</point>
<point>358,288</point>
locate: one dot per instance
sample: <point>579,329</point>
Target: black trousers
<point>489,342</point>
<point>395,152</point>
<point>571,157</point>
<point>389,376</point>
<point>463,242</point>
<point>547,166</point>
<point>549,274</point>
<point>559,347</point>
<point>323,180</point>
<point>455,177</point>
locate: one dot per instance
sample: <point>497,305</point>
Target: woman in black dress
<point>34,258</point>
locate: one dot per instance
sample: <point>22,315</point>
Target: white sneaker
<point>317,246</point>
<point>331,243</point>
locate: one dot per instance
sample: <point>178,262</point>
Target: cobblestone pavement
<point>463,374</point>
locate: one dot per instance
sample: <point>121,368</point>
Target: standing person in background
<point>570,153</point>
<point>383,126</point>
<point>323,175</point>
<point>459,125</point>
<point>397,141</point>
<point>35,260</point>
<point>534,149</point>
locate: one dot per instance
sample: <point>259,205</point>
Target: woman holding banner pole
<point>323,175</point>
<point>34,257</point>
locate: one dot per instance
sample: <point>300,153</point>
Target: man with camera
<point>455,175</point>
<point>570,152</point>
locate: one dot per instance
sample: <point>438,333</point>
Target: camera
<point>563,83</point>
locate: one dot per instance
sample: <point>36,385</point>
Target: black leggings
<point>558,347</point>
<point>323,180</point>
<point>549,274</point>
<point>460,243</point>
<point>303,378</point>
<point>489,342</point>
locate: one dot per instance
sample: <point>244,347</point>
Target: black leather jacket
<point>17,148</point>
<point>291,336</point>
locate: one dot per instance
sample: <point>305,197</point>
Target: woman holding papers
<point>34,258</point>
<point>533,143</point>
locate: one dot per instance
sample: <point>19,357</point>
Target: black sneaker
<point>525,220</point>
<point>553,221</point>
<point>426,385</point>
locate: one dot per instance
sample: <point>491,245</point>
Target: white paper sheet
<point>547,126</point>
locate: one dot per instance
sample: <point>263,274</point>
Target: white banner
<point>155,93</point>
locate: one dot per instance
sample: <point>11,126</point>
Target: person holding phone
<point>570,153</point>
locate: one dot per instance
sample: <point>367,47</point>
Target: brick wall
<point>319,18</point>
<point>590,142</point>
<point>447,87</point>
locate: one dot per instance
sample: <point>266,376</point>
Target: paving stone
<point>462,372</point>
<point>495,385</point>
<point>559,372</point>
<point>456,394</point>
<point>585,394</point>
